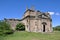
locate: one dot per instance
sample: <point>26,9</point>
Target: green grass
<point>33,36</point>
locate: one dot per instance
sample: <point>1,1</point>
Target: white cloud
<point>54,13</point>
<point>57,14</point>
<point>51,13</point>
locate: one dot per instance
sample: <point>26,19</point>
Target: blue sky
<point>16,8</point>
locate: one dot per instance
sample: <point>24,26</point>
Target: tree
<point>5,28</point>
<point>57,28</point>
<point>20,26</point>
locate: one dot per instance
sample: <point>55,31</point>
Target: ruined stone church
<point>34,21</point>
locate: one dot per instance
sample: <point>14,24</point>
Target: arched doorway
<point>44,26</point>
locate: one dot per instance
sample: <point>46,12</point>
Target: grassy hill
<point>33,36</point>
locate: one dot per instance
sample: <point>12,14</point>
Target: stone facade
<point>12,22</point>
<point>34,21</point>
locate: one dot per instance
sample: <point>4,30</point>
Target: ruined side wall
<point>12,23</point>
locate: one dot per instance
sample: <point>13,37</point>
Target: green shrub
<point>9,32</point>
<point>20,26</point>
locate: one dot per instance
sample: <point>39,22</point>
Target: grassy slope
<point>33,36</point>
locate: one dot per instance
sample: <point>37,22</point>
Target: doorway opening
<point>43,28</point>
